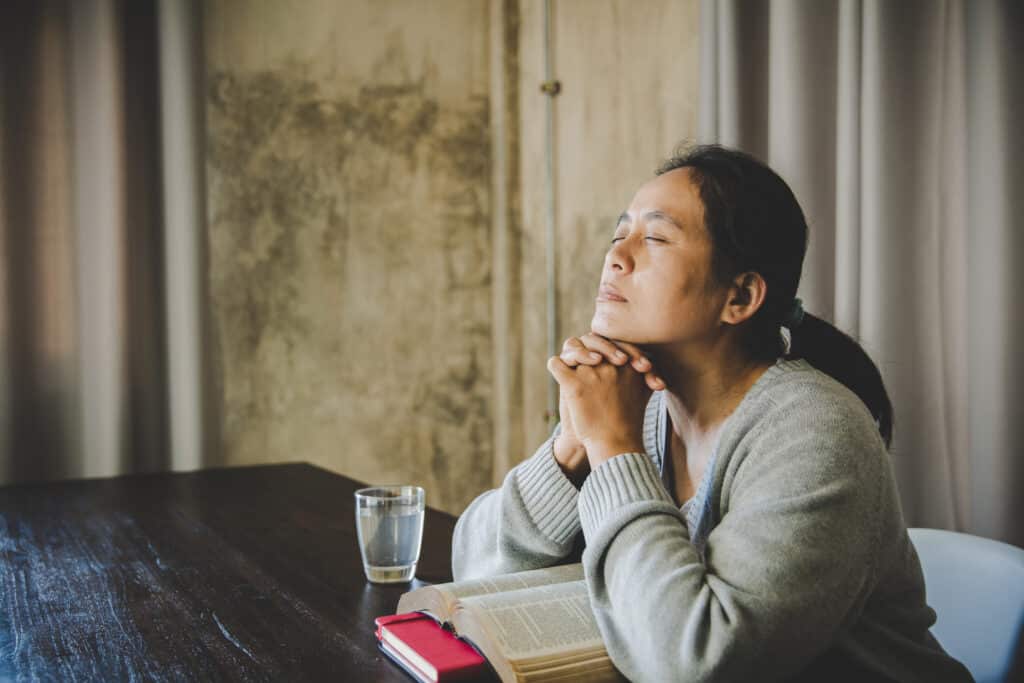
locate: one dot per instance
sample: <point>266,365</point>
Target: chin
<point>606,326</point>
<point>623,329</point>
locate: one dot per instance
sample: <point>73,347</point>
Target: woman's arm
<point>530,522</point>
<point>786,568</point>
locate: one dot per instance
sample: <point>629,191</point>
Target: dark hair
<point>757,225</point>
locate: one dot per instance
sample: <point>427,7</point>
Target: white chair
<point>976,587</point>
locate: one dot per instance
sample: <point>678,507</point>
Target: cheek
<point>673,287</point>
<point>676,300</point>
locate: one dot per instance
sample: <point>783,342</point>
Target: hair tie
<point>795,316</point>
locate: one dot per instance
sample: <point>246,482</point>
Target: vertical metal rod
<point>552,301</point>
<point>184,216</point>
<point>97,129</point>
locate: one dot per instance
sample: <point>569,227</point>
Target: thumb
<point>562,373</point>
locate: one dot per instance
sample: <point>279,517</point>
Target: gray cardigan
<point>792,560</point>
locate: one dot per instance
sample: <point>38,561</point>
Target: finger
<point>654,383</point>
<point>631,352</point>
<point>575,353</point>
<point>563,374</point>
<point>642,364</point>
<point>571,344</point>
<point>639,360</point>
<point>598,344</point>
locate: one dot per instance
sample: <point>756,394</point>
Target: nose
<point>619,257</point>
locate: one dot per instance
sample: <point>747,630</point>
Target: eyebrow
<point>651,215</point>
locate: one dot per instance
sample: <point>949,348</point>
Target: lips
<point>609,293</point>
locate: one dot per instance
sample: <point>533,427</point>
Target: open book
<point>532,626</point>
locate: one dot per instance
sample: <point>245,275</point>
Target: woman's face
<point>656,284</point>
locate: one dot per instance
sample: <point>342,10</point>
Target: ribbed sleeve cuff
<point>617,482</point>
<point>548,496</point>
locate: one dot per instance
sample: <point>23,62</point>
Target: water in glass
<point>389,521</point>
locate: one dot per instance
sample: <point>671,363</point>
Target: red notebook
<point>427,651</point>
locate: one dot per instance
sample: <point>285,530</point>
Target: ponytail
<point>835,353</point>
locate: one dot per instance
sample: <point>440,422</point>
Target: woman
<point>789,558</point>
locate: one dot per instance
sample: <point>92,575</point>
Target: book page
<point>436,600</point>
<point>600,672</point>
<point>511,582</point>
<point>440,599</point>
<point>539,621</point>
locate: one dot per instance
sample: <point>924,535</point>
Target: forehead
<point>673,193</point>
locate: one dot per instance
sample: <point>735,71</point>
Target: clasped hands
<point>604,386</point>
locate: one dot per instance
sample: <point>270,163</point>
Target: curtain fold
<point>38,321</point>
<point>891,123</point>
<point>995,218</point>
<point>83,302</point>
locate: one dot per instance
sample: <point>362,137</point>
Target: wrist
<point>599,452</point>
<point>571,457</point>
<point>567,448</point>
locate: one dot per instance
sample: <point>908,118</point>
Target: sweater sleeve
<point>528,523</point>
<point>785,569</point>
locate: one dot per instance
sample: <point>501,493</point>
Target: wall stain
<point>350,276</point>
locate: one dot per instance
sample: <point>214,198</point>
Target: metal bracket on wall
<point>551,87</point>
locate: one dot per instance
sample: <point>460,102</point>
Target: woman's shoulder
<point>802,429</point>
<point>797,386</point>
<point>795,400</point>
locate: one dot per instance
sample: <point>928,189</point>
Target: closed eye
<point>649,237</point>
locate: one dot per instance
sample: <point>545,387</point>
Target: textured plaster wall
<point>349,231</point>
<point>377,196</point>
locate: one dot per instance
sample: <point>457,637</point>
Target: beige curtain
<point>92,283</point>
<point>894,122</point>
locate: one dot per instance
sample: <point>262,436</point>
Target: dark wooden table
<point>248,573</point>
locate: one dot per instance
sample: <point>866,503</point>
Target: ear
<point>746,295</point>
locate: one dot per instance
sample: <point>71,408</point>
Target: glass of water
<point>389,520</point>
